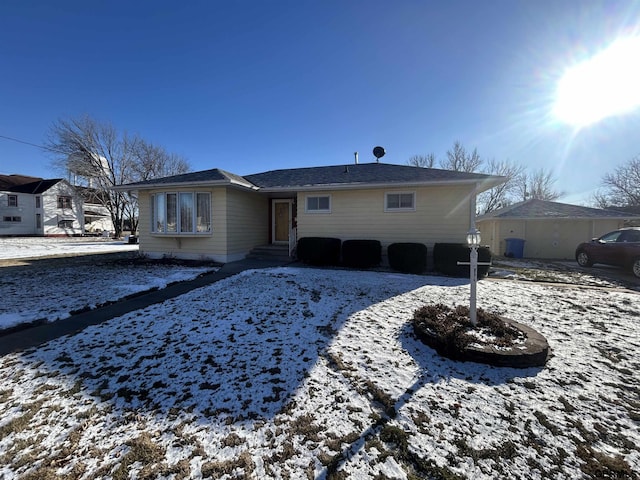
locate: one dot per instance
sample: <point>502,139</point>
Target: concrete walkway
<point>34,336</point>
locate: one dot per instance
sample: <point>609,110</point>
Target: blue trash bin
<point>515,247</point>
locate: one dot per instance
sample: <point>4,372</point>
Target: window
<point>38,202</point>
<point>186,213</point>
<point>64,202</point>
<point>402,201</point>
<point>38,220</point>
<point>181,213</point>
<point>12,219</point>
<point>12,200</point>
<point>65,224</point>
<point>172,216</point>
<point>318,204</point>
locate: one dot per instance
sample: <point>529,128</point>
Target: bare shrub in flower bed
<point>452,331</point>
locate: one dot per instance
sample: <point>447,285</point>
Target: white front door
<point>281,215</point>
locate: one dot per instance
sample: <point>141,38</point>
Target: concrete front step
<point>270,252</point>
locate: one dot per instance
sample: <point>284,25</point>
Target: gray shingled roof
<point>361,173</point>
<point>545,209</point>
<point>214,175</point>
<point>9,181</point>
<point>336,175</point>
<point>24,184</point>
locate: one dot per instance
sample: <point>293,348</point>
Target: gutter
<point>210,183</point>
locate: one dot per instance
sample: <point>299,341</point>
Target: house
<point>97,218</point>
<point>550,230</point>
<point>217,215</point>
<point>36,206</point>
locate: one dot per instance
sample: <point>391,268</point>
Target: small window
<point>12,219</point>
<point>64,202</point>
<point>402,201</point>
<point>319,204</point>
<point>12,200</point>
<point>65,224</point>
<point>38,202</point>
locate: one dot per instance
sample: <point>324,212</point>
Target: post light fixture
<point>473,240</point>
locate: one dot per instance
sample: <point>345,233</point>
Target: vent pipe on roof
<point>355,154</point>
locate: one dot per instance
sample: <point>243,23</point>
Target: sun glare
<point>606,85</point>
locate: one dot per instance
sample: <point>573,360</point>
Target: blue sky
<point>250,86</point>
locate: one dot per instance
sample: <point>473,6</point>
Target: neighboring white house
<point>550,230</point>
<point>221,216</point>
<point>36,206</point>
<point>97,218</point>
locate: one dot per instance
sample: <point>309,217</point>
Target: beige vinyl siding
<point>240,222</point>
<point>206,246</point>
<point>247,221</point>
<point>547,238</point>
<point>559,238</point>
<point>441,215</point>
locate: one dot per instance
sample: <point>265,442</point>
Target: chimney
<point>355,154</point>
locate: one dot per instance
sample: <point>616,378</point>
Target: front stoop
<point>270,252</point>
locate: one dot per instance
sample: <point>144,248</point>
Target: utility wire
<point>22,141</point>
<point>41,147</point>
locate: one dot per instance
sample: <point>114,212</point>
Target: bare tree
<point>153,161</point>
<point>502,195</point>
<point>98,153</point>
<point>537,185</point>
<point>424,161</point>
<point>622,187</point>
<point>102,156</point>
<point>460,160</point>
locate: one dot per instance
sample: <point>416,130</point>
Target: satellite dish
<point>378,152</point>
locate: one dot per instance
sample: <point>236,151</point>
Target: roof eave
<point>485,185</point>
<point>177,185</point>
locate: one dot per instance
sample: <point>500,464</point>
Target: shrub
<point>447,255</point>
<point>319,250</point>
<point>408,257</point>
<point>361,253</point>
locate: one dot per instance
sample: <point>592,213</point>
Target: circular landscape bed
<point>494,340</point>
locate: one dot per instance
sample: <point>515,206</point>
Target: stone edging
<point>534,353</point>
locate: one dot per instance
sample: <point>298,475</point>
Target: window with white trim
<point>318,204</point>
<point>399,201</point>
<point>180,213</point>
<point>12,200</point>
<point>64,201</point>
<point>12,219</point>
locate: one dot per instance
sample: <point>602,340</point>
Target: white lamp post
<point>473,240</point>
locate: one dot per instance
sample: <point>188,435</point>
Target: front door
<point>281,221</point>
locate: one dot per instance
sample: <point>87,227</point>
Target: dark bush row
<point>361,253</point>
<point>408,257</point>
<point>319,250</point>
<point>447,255</point>
<point>329,251</point>
<point>404,257</point>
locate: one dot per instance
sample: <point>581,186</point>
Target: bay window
<point>181,213</point>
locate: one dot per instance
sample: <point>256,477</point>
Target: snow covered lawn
<point>33,247</point>
<point>311,373</point>
<point>52,289</point>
